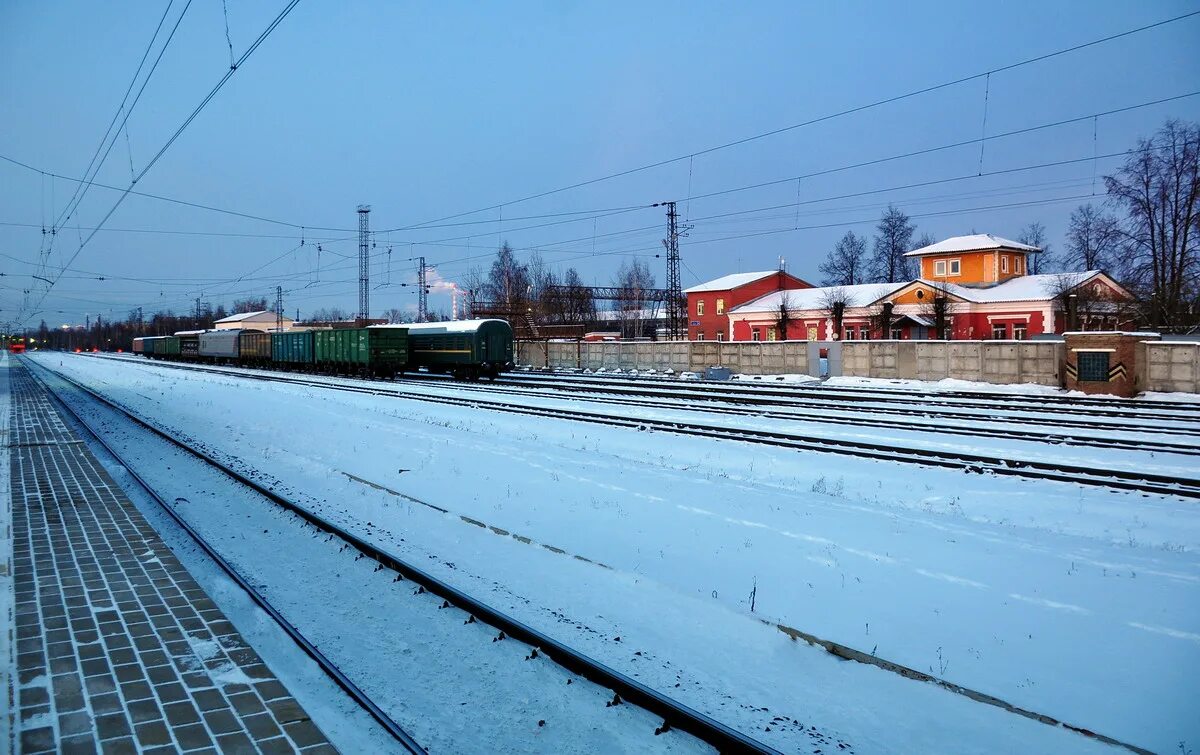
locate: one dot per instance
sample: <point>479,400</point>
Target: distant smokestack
<point>782,265</point>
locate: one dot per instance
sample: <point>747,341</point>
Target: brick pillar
<point>1104,362</point>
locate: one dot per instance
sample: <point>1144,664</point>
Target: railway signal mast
<point>364,262</point>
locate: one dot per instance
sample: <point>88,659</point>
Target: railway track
<point>821,413</point>
<point>1140,482</point>
<point>807,395</point>
<point>675,715</point>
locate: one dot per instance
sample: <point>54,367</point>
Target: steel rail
<point>1168,410</point>
<point>328,666</point>
<point>1141,482</point>
<point>675,715</point>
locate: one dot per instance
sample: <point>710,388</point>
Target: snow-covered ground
<point>1047,595</point>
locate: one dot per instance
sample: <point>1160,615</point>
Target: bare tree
<point>834,302</point>
<point>1089,307</point>
<point>472,287</point>
<point>893,237</point>
<point>938,307</point>
<point>1093,239</point>
<point>398,315</point>
<point>508,283</point>
<point>241,306</point>
<point>846,264</point>
<point>1034,234</point>
<point>578,305</point>
<point>330,314</point>
<point>634,282</point>
<point>783,315</point>
<point>1159,187</point>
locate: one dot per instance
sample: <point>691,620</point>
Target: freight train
<point>467,349</point>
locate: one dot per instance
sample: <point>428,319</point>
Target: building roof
<point>801,299</point>
<point>972,243</point>
<point>727,282</point>
<point>1022,288</point>
<point>248,316</point>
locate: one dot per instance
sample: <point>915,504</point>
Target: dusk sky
<point>426,111</point>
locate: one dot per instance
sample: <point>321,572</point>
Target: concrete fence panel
<point>1172,366</point>
<point>932,360</point>
<point>965,361</point>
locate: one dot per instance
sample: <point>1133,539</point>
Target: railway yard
<point>586,563</point>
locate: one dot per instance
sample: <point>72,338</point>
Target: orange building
<point>980,259</point>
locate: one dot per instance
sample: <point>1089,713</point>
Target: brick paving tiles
<point>118,649</point>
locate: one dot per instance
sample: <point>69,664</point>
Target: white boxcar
<point>220,344</point>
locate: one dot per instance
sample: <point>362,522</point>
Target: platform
<point>118,649</point>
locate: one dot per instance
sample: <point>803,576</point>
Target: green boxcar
<point>466,348</point>
<point>368,351</point>
<point>292,349</point>
<point>162,346</point>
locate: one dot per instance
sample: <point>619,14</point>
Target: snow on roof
<point>727,282</point>
<point>801,299</point>
<point>248,315</point>
<point>1023,288</point>
<point>449,326</point>
<point>974,242</point>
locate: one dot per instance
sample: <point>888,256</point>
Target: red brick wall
<point>711,322</point>
<point>1122,362</point>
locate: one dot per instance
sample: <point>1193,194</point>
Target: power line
<point>84,184</point>
<point>262,37</point>
<point>813,121</point>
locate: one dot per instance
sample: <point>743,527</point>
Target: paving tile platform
<point>117,647</point>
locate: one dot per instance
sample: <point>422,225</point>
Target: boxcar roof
<point>450,326</point>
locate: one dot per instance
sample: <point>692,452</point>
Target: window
<point>939,268</point>
<point>720,306</point>
<point>864,333</point>
<point>770,334</point>
<point>1004,263</point>
<point>1093,366</point>
<point>700,308</point>
<point>999,330</point>
<point>955,267</point>
<point>700,335</point>
<point>812,332</point>
<point>1017,265</point>
<point>897,334</point>
<point>720,335</point>
<point>755,334</point>
<point>1019,332</point>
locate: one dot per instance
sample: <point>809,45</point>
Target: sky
<point>445,116</point>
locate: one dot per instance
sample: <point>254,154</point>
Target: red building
<point>979,284</point>
<point>709,304</point>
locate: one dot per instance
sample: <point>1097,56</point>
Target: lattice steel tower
<point>364,261</point>
<point>422,291</point>
<point>676,306</point>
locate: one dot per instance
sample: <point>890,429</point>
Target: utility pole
<point>422,292</point>
<point>278,308</point>
<point>364,262</point>
<point>676,306</point>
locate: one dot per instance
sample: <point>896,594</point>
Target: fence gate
<point>825,358</point>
